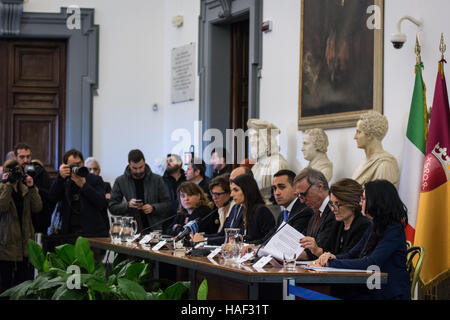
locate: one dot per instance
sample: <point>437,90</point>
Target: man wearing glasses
<point>311,187</point>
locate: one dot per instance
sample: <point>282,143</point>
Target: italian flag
<point>414,151</point>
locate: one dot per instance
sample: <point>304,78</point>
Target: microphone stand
<point>155,224</point>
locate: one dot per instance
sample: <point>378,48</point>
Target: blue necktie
<point>235,214</point>
<point>285,215</point>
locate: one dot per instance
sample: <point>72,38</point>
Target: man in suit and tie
<point>311,187</point>
<point>294,212</point>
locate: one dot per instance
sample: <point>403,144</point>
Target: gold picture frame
<point>341,62</point>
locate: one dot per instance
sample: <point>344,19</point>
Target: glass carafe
<point>231,249</point>
<point>116,227</point>
<point>129,228</point>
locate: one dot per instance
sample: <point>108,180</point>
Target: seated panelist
<point>194,204</point>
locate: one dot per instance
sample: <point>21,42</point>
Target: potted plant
<point>70,273</point>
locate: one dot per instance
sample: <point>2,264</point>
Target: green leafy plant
<point>56,279</point>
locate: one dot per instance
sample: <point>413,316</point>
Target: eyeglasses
<point>336,205</point>
<point>302,195</point>
<point>217,194</point>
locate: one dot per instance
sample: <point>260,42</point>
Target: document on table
<point>285,240</point>
<point>327,269</point>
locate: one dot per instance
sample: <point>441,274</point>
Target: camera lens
<point>80,171</point>
<point>30,170</point>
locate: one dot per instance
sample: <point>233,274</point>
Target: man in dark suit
<point>294,212</point>
<point>311,186</point>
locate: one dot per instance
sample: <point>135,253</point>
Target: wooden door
<point>32,98</point>
<point>239,79</point>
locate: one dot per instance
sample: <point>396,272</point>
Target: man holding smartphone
<point>140,193</point>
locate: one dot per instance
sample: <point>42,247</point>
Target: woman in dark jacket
<point>258,220</point>
<point>350,226</point>
<point>194,203</point>
<point>383,245</point>
<point>19,198</point>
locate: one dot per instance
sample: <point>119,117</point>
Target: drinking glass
<point>289,261</point>
<point>116,228</point>
<point>156,236</point>
<point>129,228</point>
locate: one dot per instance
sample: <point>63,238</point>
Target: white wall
<point>136,44</point>
<point>179,117</point>
<point>131,78</point>
<point>279,84</point>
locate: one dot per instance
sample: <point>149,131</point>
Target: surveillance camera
<point>398,40</point>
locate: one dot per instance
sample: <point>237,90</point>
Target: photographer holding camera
<point>42,181</point>
<point>82,200</point>
<point>18,200</point>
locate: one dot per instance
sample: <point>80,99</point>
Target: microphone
<point>192,226</point>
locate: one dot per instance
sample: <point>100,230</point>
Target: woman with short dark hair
<point>258,220</point>
<point>383,245</point>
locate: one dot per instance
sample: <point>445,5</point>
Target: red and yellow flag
<point>433,218</point>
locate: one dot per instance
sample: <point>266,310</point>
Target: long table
<point>238,280</point>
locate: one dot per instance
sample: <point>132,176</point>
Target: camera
<point>14,175</point>
<point>30,169</point>
<point>79,171</point>
<point>398,40</point>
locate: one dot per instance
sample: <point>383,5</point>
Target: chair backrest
<point>408,244</point>
<point>414,268</point>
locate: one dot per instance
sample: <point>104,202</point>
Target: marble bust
<point>314,148</point>
<point>379,164</point>
<point>265,149</point>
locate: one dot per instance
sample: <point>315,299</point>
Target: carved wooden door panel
<point>32,98</point>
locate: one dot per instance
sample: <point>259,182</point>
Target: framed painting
<point>341,62</point>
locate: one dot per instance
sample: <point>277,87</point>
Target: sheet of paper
<point>285,240</point>
<point>262,262</point>
<point>327,269</point>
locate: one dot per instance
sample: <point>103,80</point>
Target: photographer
<point>82,200</point>
<point>41,220</point>
<point>18,200</point>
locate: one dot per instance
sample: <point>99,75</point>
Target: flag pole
<point>417,50</point>
<point>442,46</point>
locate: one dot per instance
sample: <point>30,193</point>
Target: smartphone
<point>139,201</point>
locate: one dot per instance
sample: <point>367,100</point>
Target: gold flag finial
<point>417,50</point>
<point>442,46</point>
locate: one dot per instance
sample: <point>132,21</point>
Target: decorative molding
<point>10,17</point>
<point>82,68</point>
<point>226,9</point>
<point>213,48</point>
